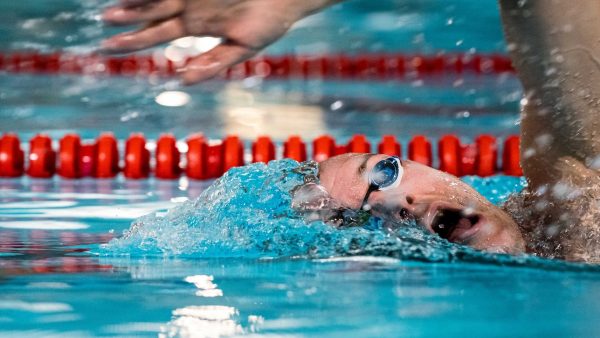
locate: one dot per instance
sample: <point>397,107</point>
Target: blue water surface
<point>237,261</point>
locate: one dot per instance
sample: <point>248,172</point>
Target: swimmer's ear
<point>311,197</point>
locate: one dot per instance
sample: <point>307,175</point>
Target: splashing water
<point>247,213</point>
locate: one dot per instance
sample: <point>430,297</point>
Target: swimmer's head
<point>439,202</point>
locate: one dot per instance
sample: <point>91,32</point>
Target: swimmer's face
<point>439,202</point>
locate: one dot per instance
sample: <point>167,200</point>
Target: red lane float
<point>340,149</point>
<point>419,150</point>
<point>359,144</point>
<point>449,154</point>
<point>69,156</point>
<point>373,66</point>
<point>137,158</point>
<point>323,148</point>
<point>11,156</point>
<point>263,150</point>
<point>88,159</point>
<point>107,157</point>
<point>233,153</point>
<point>295,149</point>
<point>214,161</point>
<point>167,158</point>
<point>210,159</point>
<point>468,153</point>
<point>42,158</point>
<point>389,146</point>
<point>487,156</point>
<point>511,157</point>
<point>336,66</point>
<point>196,157</point>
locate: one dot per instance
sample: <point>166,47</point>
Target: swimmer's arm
<point>555,47</point>
<point>246,27</point>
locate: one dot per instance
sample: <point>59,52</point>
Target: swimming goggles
<point>386,174</point>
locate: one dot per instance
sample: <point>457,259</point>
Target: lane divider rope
<point>208,159</point>
<point>340,66</point>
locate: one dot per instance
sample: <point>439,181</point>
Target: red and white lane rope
<point>340,66</point>
<point>207,159</point>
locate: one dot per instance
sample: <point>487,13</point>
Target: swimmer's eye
<point>386,174</point>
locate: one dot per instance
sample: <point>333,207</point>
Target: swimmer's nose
<point>410,209</point>
<point>413,205</point>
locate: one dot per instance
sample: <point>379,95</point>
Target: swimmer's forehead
<point>346,168</point>
<point>346,161</point>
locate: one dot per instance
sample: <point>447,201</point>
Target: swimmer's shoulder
<point>575,173</point>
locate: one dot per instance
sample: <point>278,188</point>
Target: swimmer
<point>556,51</point>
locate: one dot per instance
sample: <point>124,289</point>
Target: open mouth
<point>454,225</point>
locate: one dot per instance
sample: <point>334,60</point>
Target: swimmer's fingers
<point>150,36</point>
<point>147,11</point>
<point>211,63</point>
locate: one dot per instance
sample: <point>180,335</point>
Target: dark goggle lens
<point>385,173</point>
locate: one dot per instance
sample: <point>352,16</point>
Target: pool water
<point>56,280</point>
<point>66,270</point>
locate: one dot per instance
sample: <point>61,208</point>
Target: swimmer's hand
<point>246,27</point>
